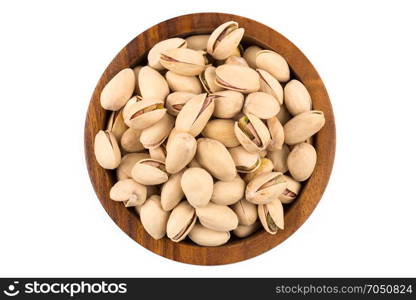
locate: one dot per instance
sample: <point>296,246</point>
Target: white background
<point>52,54</point>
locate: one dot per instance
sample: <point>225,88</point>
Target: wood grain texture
<point>295,214</point>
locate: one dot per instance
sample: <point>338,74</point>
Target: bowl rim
<point>298,211</point>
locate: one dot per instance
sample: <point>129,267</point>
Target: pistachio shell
<point>271,216</point>
<point>291,191</point>
<point>301,161</point>
<point>236,60</point>
<point>245,211</point>
<point>245,162</point>
<point>154,54</point>
<point>243,231</point>
<point>197,42</point>
<point>128,105</point>
<point>221,130</point>
<point>206,237</point>
<point>207,78</point>
<point>262,105</point>
<point>127,163</point>
<point>279,158</point>
<point>283,115</point>
<point>195,114</point>
<point>158,153</point>
<point>145,113</point>
<point>181,221</point>
<point>297,97</point>
<point>252,133</point>
<point>149,172</point>
<point>237,78</point>
<point>250,55</point>
<point>176,101</point>
<point>116,124</point>
<point>224,40</point>
<point>273,63</point>
<point>277,134</point>
<point>170,138</point>
<point>181,151</point>
<point>303,126</point>
<point>197,184</point>
<point>171,193</point>
<point>152,84</point>
<point>217,217</point>
<point>130,141</point>
<point>270,85</point>
<point>216,159</point>
<point>136,71</point>
<point>181,83</point>
<point>265,187</point>
<point>227,104</point>
<point>183,61</point>
<point>228,192</point>
<point>128,191</point>
<point>156,134</point>
<point>154,218</point>
<point>265,166</point>
<point>107,152</point>
<point>118,90</point>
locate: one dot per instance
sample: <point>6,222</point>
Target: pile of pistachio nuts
<point>208,138</point>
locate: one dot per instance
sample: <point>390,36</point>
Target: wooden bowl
<point>295,214</point>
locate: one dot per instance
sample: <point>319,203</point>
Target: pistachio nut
<point>183,61</point>
<point>154,54</point>
<point>301,161</point>
<point>118,90</point>
<point>224,40</point>
<point>180,222</point>
<point>128,191</point>
<point>158,153</point>
<point>152,84</point>
<point>243,231</point>
<point>291,191</point>
<point>302,126</point>
<point>270,85</point>
<point>263,153</point>
<point>265,187</point>
<point>236,60</point>
<point>246,212</point>
<point>197,184</point>
<point>207,79</point>
<point>237,78</point>
<point>181,151</point>
<point>127,163</point>
<point>277,134</point>
<point>156,134</point>
<point>279,158</point>
<point>181,83</point>
<point>130,141</point>
<point>171,193</point>
<point>154,218</point>
<point>197,42</point>
<point>217,217</point>
<point>245,162</point>
<point>252,133</point>
<point>116,124</point>
<point>265,166</point>
<point>273,63</point>
<point>271,216</point>
<point>221,130</point>
<point>228,192</point>
<point>216,159</point>
<point>145,113</point>
<point>175,101</point>
<point>107,152</point>
<point>297,98</point>
<point>262,105</point>
<point>227,104</point>
<point>250,55</point>
<point>283,115</point>
<point>206,237</point>
<point>195,114</point>
<point>126,108</point>
<point>136,71</point>
<point>149,172</point>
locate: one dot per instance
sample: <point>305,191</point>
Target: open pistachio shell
<point>158,153</point>
<point>266,187</point>
<point>297,97</point>
<point>127,163</point>
<point>283,115</point>
<point>217,217</point>
<point>181,151</point>
<point>183,61</point>
<point>181,83</point>
<point>237,78</point>
<point>130,141</point>
<point>265,166</point>
<point>128,191</point>
<point>154,54</point>
<point>126,108</point>
<point>245,162</point>
<point>181,221</point>
<point>149,172</point>
<point>273,63</point>
<point>206,237</point>
<point>145,113</point>
<point>291,191</point>
<point>216,159</point>
<point>107,152</point>
<point>154,218</point>
<point>118,90</point>
<point>176,101</point>
<point>250,55</point>
<point>271,216</point>
<point>236,60</point>
<point>279,158</point>
<point>277,134</point>
<point>228,192</point>
<point>170,138</point>
<point>227,104</point>
<point>197,42</point>
<point>116,124</point>
<point>252,133</point>
<point>195,114</point>
<point>245,211</point>
<point>207,79</point>
<point>221,130</point>
<point>171,193</point>
<point>152,84</point>
<point>301,161</point>
<point>243,231</point>
<point>224,40</point>
<point>262,105</point>
<point>156,134</point>
<point>197,184</point>
<point>270,85</point>
<point>303,126</point>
